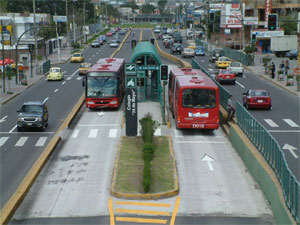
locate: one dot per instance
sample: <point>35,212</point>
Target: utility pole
<point>3,70</point>
<point>85,36</point>
<point>67,26</point>
<point>35,38</point>
<point>74,31</point>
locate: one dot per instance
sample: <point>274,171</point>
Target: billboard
<point>6,32</point>
<point>231,16</point>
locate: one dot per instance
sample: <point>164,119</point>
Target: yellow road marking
<point>141,35</point>
<point>161,213</point>
<point>111,211</point>
<point>143,203</point>
<point>175,211</point>
<point>140,220</point>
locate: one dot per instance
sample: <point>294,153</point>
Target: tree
<point>289,24</point>
<point>147,9</point>
<point>161,7</point>
<point>3,6</point>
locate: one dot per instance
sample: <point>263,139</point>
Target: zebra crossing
<point>274,124</point>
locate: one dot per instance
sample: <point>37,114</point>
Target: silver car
<point>114,43</point>
<point>188,52</point>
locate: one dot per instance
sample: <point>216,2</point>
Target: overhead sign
<point>231,16</point>
<point>62,19</point>
<point>250,20</point>
<point>130,69</point>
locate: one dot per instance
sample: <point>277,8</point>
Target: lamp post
<point>35,37</point>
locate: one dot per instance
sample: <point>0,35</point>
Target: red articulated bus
<point>105,84</point>
<point>194,99</point>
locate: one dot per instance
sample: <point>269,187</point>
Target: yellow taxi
<point>55,73</point>
<point>77,57</point>
<point>223,62</point>
<point>192,45</point>
<point>84,68</point>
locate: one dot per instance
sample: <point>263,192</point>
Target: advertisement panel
<point>6,31</point>
<point>268,8</point>
<point>231,16</point>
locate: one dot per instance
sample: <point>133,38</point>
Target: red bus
<point>110,60</point>
<point>105,85</point>
<point>195,102</point>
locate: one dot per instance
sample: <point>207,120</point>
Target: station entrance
<point>148,64</point>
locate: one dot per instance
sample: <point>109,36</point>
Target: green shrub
<point>75,45</point>
<point>148,152</point>
<point>147,177</point>
<point>148,128</point>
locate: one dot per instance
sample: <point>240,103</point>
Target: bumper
<point>260,105</point>
<point>226,80</point>
<point>206,126</point>
<point>30,124</point>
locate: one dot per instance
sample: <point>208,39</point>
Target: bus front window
<point>101,87</point>
<point>199,98</point>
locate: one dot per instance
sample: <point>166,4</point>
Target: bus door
<point>153,85</point>
<point>141,85</point>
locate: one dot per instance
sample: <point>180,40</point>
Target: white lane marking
<point>79,78</point>
<point>21,141</point>
<point>210,69</point>
<point>3,140</point>
<point>12,129</point>
<point>3,119</point>
<point>41,141</point>
<point>46,99</point>
<point>93,55</point>
<point>240,84</point>
<point>63,82</point>
<point>208,159</point>
<point>271,123</point>
<point>89,59</point>
<point>284,131</point>
<point>200,142</point>
<point>202,60</point>
<point>75,133</point>
<point>291,122</point>
<point>98,125</point>
<point>69,78</point>
<point>244,76</point>
<point>75,72</point>
<point>157,132</point>
<point>55,90</point>
<point>27,132</point>
<point>291,149</point>
<point>112,133</point>
<point>178,133</point>
<point>93,133</point>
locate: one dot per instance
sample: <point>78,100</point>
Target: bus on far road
<point>196,103</point>
<point>105,84</point>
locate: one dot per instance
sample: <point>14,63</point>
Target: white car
<point>237,68</point>
<point>114,43</point>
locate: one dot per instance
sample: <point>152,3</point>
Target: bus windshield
<point>101,87</point>
<point>199,98</point>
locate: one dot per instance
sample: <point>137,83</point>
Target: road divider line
<point>98,125</point>
<point>111,211</point>
<point>75,72</point>
<point>149,212</point>
<point>284,131</point>
<point>63,82</point>
<point>200,142</point>
<point>12,129</point>
<point>46,99</point>
<point>175,211</point>
<point>56,90</point>
<point>140,220</point>
<point>240,84</point>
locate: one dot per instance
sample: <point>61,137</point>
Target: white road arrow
<point>208,159</point>
<point>291,149</point>
<point>100,114</point>
<point>3,119</point>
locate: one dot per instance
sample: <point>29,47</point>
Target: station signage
<point>147,67</point>
<point>131,111</point>
<point>130,69</point>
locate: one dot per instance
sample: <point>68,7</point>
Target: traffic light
<point>212,17</point>
<point>253,38</point>
<point>164,72</point>
<point>272,22</point>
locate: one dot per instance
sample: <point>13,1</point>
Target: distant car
<point>237,68</point>
<point>256,98</point>
<point>218,52</point>
<point>77,57</point>
<point>109,34</point>
<point>189,35</point>
<point>176,48</point>
<point>160,36</point>
<point>192,45</point>
<point>84,68</point>
<point>103,37</point>
<point>169,43</point>
<point>293,54</point>
<point>169,31</point>
<point>55,73</point>
<point>113,43</point>
<point>187,52</point>
<point>223,62</point>
<point>33,114</point>
<point>225,76</point>
<point>95,44</point>
<point>122,32</point>
<point>157,30</point>
<point>199,50</point>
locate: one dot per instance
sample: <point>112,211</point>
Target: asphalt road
<point>73,188</point>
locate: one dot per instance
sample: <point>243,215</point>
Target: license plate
<point>197,125</point>
<point>260,101</point>
<point>228,77</point>
<point>29,124</point>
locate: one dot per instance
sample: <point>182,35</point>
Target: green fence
<point>273,154</point>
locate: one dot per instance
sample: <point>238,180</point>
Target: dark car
<point>218,52</point>
<point>176,48</point>
<point>122,32</point>
<point>33,114</point>
<point>257,99</point>
<point>293,54</point>
<point>177,38</point>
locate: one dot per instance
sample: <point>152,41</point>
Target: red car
<point>109,34</point>
<point>225,76</point>
<point>257,99</point>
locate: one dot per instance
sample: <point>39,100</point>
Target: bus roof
<point>107,67</point>
<point>191,81</point>
<point>187,71</point>
<point>111,60</point>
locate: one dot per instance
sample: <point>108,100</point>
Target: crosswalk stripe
<point>93,133</point>
<point>157,132</point>
<point>41,141</point>
<point>69,78</point>
<point>75,133</point>
<point>79,78</point>
<point>112,133</point>
<point>3,140</point>
<point>291,122</point>
<point>271,123</point>
<point>21,141</point>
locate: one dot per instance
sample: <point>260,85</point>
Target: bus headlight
<point>113,102</point>
<point>89,102</point>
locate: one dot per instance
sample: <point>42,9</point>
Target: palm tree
<point>161,7</point>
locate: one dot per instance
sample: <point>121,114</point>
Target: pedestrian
<point>281,66</point>
<point>230,109</point>
<point>286,67</point>
<point>272,68</point>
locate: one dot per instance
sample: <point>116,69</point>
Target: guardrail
<point>268,147</point>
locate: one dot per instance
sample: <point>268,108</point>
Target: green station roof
<point>145,48</point>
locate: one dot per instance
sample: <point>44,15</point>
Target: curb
<point>16,199</point>
<point>156,196</point>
